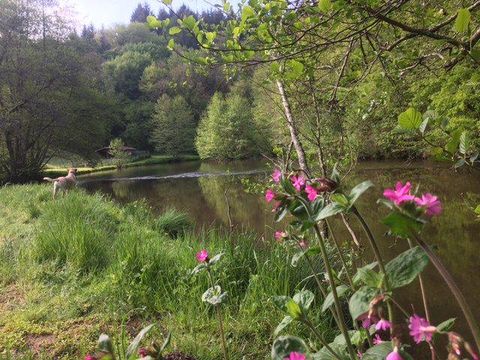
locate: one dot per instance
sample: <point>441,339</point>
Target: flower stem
<point>321,338</point>
<point>222,332</point>
<point>319,284</point>
<point>341,318</point>
<point>378,257</point>
<point>342,258</point>
<point>467,312</point>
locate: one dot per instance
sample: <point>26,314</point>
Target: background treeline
<point>65,92</point>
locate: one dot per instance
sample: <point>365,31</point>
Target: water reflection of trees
<point>226,197</point>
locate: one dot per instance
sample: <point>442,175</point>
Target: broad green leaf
<point>174,30</point>
<point>325,5</point>
<point>453,143</point>
<point>462,21</point>
<point>446,325</point>
<point>325,354</point>
<point>359,190</point>
<point>210,36</point>
<point>189,22</point>
<point>284,345</point>
<point>294,69</point>
<point>401,225</point>
<point>356,337</point>
<point>356,277</point>
<point>214,295</point>
<point>133,347</point>
<point>410,119</point>
<point>283,324</point>
<point>340,199</point>
<point>247,13</point>
<point>369,277</point>
<point>406,267</point>
<point>153,22</point>
<point>293,309</point>
<point>378,352</point>
<point>341,291</point>
<point>329,210</point>
<point>288,305</point>
<point>304,298</point>
<point>360,301</point>
<point>215,259</point>
<point>464,143</point>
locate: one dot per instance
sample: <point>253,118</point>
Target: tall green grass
<point>120,262</point>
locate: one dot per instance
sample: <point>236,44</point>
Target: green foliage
<point>227,130</point>
<point>406,267</point>
<point>118,153</point>
<point>173,126</point>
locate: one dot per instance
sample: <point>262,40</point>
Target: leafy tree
<point>124,73</point>
<point>141,12</point>
<point>227,130</point>
<point>118,153</point>
<point>44,79</point>
<point>173,126</point>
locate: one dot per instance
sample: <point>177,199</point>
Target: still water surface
<point>206,192</point>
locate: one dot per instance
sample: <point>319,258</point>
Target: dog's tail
<point>49,179</point>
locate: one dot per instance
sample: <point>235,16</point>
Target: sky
<point>108,12</point>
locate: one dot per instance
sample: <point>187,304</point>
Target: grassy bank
<point>81,265</point>
<point>153,160</point>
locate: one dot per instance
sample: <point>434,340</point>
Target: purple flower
<point>295,356</point>
<point>420,329</point>
<point>270,195</point>
<point>298,182</point>
<point>202,256</point>
<point>394,355</point>
<point>277,175</point>
<point>400,194</point>
<point>383,325</point>
<point>430,203</point>
<point>312,193</point>
<point>279,235</point>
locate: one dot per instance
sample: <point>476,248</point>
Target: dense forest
<point>126,82</point>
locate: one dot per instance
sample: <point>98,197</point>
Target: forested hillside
<point>165,83</point>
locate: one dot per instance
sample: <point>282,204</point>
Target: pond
<point>213,195</point>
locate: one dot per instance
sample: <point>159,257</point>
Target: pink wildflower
<point>270,195</point>
<point>430,202</point>
<point>383,325</point>
<point>277,175</point>
<point>295,356</point>
<point>400,194</point>
<point>279,235</point>
<point>303,244</point>
<point>394,355</point>
<point>298,182</point>
<point>377,340</point>
<point>312,193</point>
<point>143,352</point>
<point>367,320</point>
<point>202,256</point>
<point>359,354</point>
<point>420,329</point>
<point>90,357</point>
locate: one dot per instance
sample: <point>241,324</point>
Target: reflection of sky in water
<point>455,233</point>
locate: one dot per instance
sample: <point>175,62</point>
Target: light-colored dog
<point>63,183</point>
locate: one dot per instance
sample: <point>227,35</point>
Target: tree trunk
<point>293,131</point>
